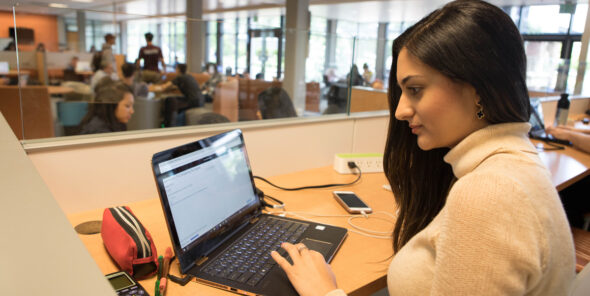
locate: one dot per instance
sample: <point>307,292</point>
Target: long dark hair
<point>468,41</point>
<point>108,95</point>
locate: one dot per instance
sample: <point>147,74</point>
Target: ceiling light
<point>58,5</point>
<point>83,1</point>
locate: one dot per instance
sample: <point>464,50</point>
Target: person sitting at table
<point>138,87</point>
<point>111,110</point>
<point>367,75</point>
<point>191,98</point>
<point>354,77</point>
<point>105,69</point>
<point>477,211</point>
<point>274,102</point>
<point>70,70</point>
<point>210,85</point>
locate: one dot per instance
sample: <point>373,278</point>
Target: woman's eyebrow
<point>405,80</point>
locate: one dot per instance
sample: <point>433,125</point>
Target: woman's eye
<point>413,90</point>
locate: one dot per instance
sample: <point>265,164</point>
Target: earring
<point>480,114</point>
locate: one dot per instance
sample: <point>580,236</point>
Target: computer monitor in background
<point>4,67</point>
<point>83,66</point>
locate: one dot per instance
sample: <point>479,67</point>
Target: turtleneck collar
<point>479,145</point>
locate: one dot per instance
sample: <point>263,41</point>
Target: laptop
<point>215,220</point>
<point>83,66</point>
<point>4,67</point>
<point>538,128</point>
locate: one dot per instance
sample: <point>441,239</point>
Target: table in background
<point>360,265</point>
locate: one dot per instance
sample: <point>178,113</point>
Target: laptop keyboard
<point>248,259</point>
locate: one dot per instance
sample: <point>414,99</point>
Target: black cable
<point>350,165</point>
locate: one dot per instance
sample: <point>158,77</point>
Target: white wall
<point>115,169</point>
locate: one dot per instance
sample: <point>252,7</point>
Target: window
<point>366,50</point>
<point>543,58</point>
<point>314,67</point>
<point>543,19</point>
<point>211,45</point>
<point>229,43</point>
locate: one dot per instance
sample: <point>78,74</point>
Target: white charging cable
<point>357,229</point>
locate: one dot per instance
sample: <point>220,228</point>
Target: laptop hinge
<point>201,260</point>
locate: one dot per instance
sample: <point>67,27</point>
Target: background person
<point>191,98</point>
<point>210,85</point>
<point>106,53</point>
<point>151,55</point>
<point>367,74</point>
<point>111,110</point>
<point>138,88</point>
<point>478,213</point>
<point>105,69</point>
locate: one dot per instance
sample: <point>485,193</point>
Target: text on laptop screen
<point>206,187</point>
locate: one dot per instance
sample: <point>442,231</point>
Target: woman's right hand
<point>309,274</point>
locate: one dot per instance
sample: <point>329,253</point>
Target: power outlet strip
<point>367,162</point>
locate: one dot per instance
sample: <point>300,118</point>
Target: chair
<point>29,116</point>
<point>201,78</point>
<point>70,114</point>
<point>581,285</point>
<point>312,96</point>
<point>582,246</point>
<point>147,114</point>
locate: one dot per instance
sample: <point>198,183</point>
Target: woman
<point>111,110</point>
<point>478,214</point>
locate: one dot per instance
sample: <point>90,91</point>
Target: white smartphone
<point>351,202</point>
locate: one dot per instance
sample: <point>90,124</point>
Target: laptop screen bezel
<point>206,243</point>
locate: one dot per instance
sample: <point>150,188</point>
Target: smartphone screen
<point>351,200</point>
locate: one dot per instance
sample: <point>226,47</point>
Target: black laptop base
<point>275,281</point>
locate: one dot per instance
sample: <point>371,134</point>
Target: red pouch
<point>128,242</point>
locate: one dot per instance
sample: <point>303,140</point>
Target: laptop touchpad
<point>321,247</point>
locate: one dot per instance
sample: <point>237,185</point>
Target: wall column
<point>381,44</point>
<point>296,46</point>
<point>81,24</point>
<point>195,36</point>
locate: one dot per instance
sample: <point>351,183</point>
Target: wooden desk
<point>15,73</point>
<point>567,166</point>
<point>360,265</point>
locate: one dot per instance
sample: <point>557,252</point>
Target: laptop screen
<point>205,187</point>
<point>536,119</point>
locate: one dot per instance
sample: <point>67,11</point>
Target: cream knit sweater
<point>502,230</point>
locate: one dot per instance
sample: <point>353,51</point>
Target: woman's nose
<point>404,110</point>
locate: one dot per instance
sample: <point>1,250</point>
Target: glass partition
<point>90,69</point>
